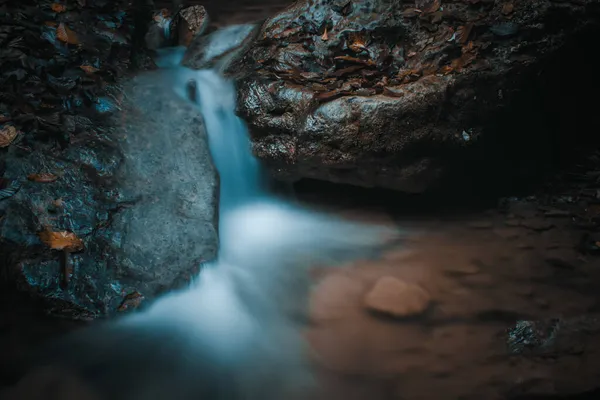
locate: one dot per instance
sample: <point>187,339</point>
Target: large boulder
<point>406,96</point>
<point>127,213</point>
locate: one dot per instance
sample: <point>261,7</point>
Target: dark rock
<point>370,94</point>
<point>189,23</point>
<point>142,196</point>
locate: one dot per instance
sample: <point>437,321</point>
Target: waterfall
<point>234,333</point>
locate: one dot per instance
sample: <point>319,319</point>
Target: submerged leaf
<point>61,240</point>
<point>8,133</point>
<point>58,8</point>
<point>42,177</point>
<point>89,69</point>
<point>66,35</point>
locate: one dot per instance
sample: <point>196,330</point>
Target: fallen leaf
<point>411,12</point>
<point>508,8</point>
<point>358,42</point>
<point>42,177</point>
<point>59,8</point>
<point>7,135</point>
<point>433,7</point>
<point>326,96</point>
<point>89,69</point>
<point>463,32</point>
<point>446,69</point>
<point>324,37</point>
<point>52,24</point>
<point>347,70</point>
<point>61,240</point>
<point>393,92</point>
<point>4,118</point>
<point>66,35</point>
<point>131,301</point>
<point>355,60</point>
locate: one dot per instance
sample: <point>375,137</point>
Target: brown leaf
<point>59,8</point>
<point>463,32</point>
<point>66,35</point>
<point>446,69</point>
<point>358,42</point>
<point>7,134</point>
<point>393,92</point>
<point>324,37</point>
<point>4,118</point>
<point>42,177</point>
<point>52,24</point>
<point>435,5</point>
<point>89,69</point>
<point>411,12</point>
<point>508,8</point>
<point>355,60</point>
<point>329,95</point>
<point>131,301</point>
<point>347,70</point>
<point>61,240</point>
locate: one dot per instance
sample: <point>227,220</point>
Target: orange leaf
<point>463,32</point>
<point>89,69</point>
<point>58,8</point>
<point>358,42</point>
<point>42,177</point>
<point>61,240</point>
<point>7,135</point>
<point>64,34</point>
<point>508,8</point>
<point>132,300</point>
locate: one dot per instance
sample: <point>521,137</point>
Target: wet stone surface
<point>409,96</point>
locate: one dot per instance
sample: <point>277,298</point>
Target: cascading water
<point>233,334</point>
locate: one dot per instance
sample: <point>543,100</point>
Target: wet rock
<point>189,23</point>
<point>218,47</point>
<point>394,297</point>
<point>373,94</point>
<point>140,193</point>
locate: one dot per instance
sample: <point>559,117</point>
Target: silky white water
<point>236,332</point>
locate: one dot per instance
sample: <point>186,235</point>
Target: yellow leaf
<point>89,69</point>
<point>7,135</point>
<point>66,35</point>
<point>42,177</point>
<point>58,8</point>
<point>61,240</point>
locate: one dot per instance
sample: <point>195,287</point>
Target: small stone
<point>397,298</point>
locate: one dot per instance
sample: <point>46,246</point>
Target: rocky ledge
<point>410,95</point>
<point>107,192</point>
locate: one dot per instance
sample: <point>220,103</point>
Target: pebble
<point>397,298</point>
